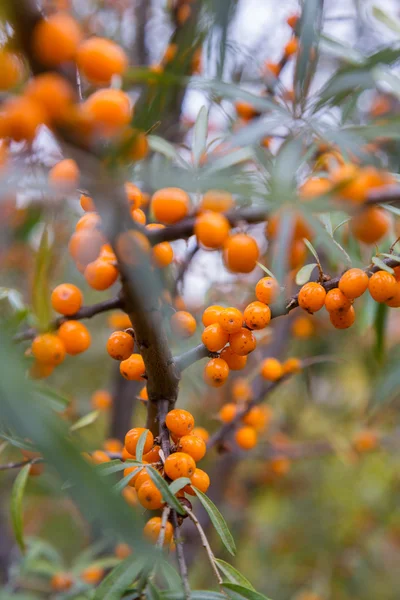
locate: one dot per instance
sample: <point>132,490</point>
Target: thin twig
<point>186,359</point>
<point>205,543</point>
<point>164,521</point>
<point>20,464</point>
<point>181,557</point>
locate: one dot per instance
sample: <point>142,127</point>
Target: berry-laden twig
<point>180,554</point>
<point>20,464</point>
<point>205,543</point>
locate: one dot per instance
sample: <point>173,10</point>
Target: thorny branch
<point>205,543</point>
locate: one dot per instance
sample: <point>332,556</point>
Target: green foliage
<point>218,521</point>
<point>17,496</point>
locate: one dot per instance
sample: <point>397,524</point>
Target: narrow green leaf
<point>118,487</point>
<point>166,493</point>
<point>341,225</point>
<point>218,521</point>
<point>119,579</point>
<point>158,144</point>
<point>343,83</point>
<point>41,291</point>
<point>178,484</point>
<point>392,256</point>
<point>240,592</point>
<point>389,20</point>
<point>379,263</point>
<point>200,132</point>
<point>17,442</point>
<point>56,400</point>
<point>197,595</point>
<point>338,49</point>
<point>307,56</point>
<point>303,275</point>
<point>114,466</point>
<point>17,495</point>
<point>232,574</point>
<point>230,160</point>
<point>152,592</point>
<point>311,249</point>
<point>84,421</point>
<point>140,444</point>
<point>265,269</point>
<point>171,576</point>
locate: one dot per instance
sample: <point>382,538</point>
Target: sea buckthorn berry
<point>152,531</point>
<point>292,365</point>
<point>119,321</point>
<point>241,253</point>
<point>75,336</point>
<point>291,47</point>
<point>258,417</point>
<point>245,110</point>
<point>85,245</point>
<point>132,247</point>
<point>257,315</point>
<point>313,187</point>
<point>53,93</point>
<point>216,200</point>
<point>343,319</point>
<point>246,437</point>
<point>100,274</point>
<point>297,254</point>
<point>353,283</point>
<point>280,465</point>
<point>66,299</point>
<point>179,422</point>
<point>201,433</point>
<point>179,464</point>
<point>231,320</point>
<point>271,369</point>
<point>55,40</point>
<point>132,438</point>
<point>234,361</point>
<point>271,68</point>
<point>292,20</point>
<point>48,348</point>
<point>99,457</point>
<point>99,59</point>
<point>135,471</point>
<point>200,480</point>
<point>133,368</point>
<point>312,297</point>
<point>122,550</point>
<point>335,300</point>
<point>365,441</point>
<point>120,345</point>
<point>241,390</point>
<point>227,412</point>
<point>136,144</point>
<point>109,110</point>
<point>61,582</point>
<point>143,395</point>
<point>101,400</point>
<point>394,302</point>
<point>170,205</point>
<point>134,194</point>
<point>129,494</point>
<point>141,478</point>
<point>40,370</point>
<point>243,342</point>
<point>267,290</point>
<point>153,455</point>
<point>216,372</point>
<point>214,337</point>
<point>21,118</point>
<point>65,174</point>
<point>90,220</point>
<point>113,445</point>
<point>211,315</point>
<point>211,229</point>
<point>192,445</point>
<point>183,324</point>
<point>11,70</point>
<point>162,255</point>
<point>382,286</point>
<point>371,225</point>
<point>87,203</point>
<point>92,575</point>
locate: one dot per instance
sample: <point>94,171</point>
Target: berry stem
<point>180,554</point>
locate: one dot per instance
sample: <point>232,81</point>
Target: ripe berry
<point>122,551</point>
<point>211,315</point>
<point>64,175</point>
<point>61,582</point>
<point>53,93</point>
<point>90,220</point>
<point>365,441</point>
<point>119,321</point>
<point>135,471</point>
<point>141,478</point>
<point>55,39</point>
<point>342,319</point>
<point>280,465</point>
<point>211,229</point>
<point>108,110</point>
<point>292,365</point>
<point>382,286</point>
<point>40,370</point>
<point>312,297</point>
<point>271,369</point>
<point>394,302</point>
<point>201,433</point>
<point>292,20</point>
<point>179,464</point>
<point>291,47</point>
<point>66,299</point>
<point>241,253</point>
<point>170,205</point>
<point>303,327</point>
<point>120,345</point>
<point>234,361</point>
<point>101,400</point>
<point>143,395</point>
<point>243,342</point>
<point>192,445</point>
<point>231,320</point>
<point>353,283</point>
<point>84,246</point>
<point>216,372</point>
<point>153,455</point>
<point>134,195</point>
<point>75,336</point>
<point>257,315</point>
<point>132,438</point>
<point>152,530</point>
<point>214,337</point>
<point>183,324</point>
<point>99,457</point>
<point>258,417</point>
<point>246,438</point>
<point>199,480</point>
<point>133,368</point>
<point>99,59</point>
<point>217,201</point>
<point>267,290</point>
<point>130,496</point>
<point>11,70</point>
<point>92,575</point>
<point>113,445</point>
<point>371,225</point>
<point>48,348</point>
<point>335,300</point>
<point>227,412</point>
<point>162,255</point>
<point>179,422</point>
<point>100,274</point>
<point>21,118</point>
<point>241,390</point>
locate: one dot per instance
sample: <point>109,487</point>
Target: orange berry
<point>99,457</point>
<point>246,438</point>
<point>303,327</point>
<point>162,255</point>
<point>64,175</point>
<point>312,297</point>
<point>382,286</point>
<point>258,417</point>
<point>394,302</point>
<point>133,368</point>
<point>214,337</point>
<point>99,59</point>
<point>179,464</point>
<point>100,274</point>
<point>75,336</point>
<point>136,144</point>
<point>85,245</point>
<point>241,390</point>
<point>21,117</point>
<point>365,441</point>
<point>130,496</point>
<point>138,215</point>
<point>280,465</point>
<point>134,195</point>
<point>267,290</point>
<point>143,395</point>
<point>135,471</point>
<point>101,400</point>
<point>113,445</point>
<point>153,455</point>
<point>211,315</point>
<point>183,324</point>
<point>292,20</point>
<point>120,345</point>
<point>315,186</point>
<point>55,40</point>
<point>370,225</point>
<point>141,478</point>
<point>257,315</point>
<point>61,582</point>
<point>201,433</point>
<point>48,349</point>
<point>11,70</point>
<point>122,551</point>
<point>245,110</point>
<point>291,365</point>
<point>119,321</point>
<point>297,254</point>
<point>231,320</point>
<point>40,370</point>
<point>170,53</point>
<point>342,319</point>
<point>227,412</point>
<point>353,283</point>
<point>272,68</point>
<point>241,253</point>
<point>271,369</point>
<point>109,110</point>
<point>152,530</point>
<point>291,47</point>
<point>217,201</point>
<point>199,480</point>
<point>335,300</point>
<point>90,220</point>
<point>243,342</point>
<point>234,361</point>
<point>132,438</point>
<point>132,246</point>
<point>66,299</point>
<point>53,93</point>
<point>179,422</point>
<point>183,13</point>
<point>192,445</point>
<point>170,205</point>
<point>211,229</point>
<point>216,372</point>
<point>92,575</point>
